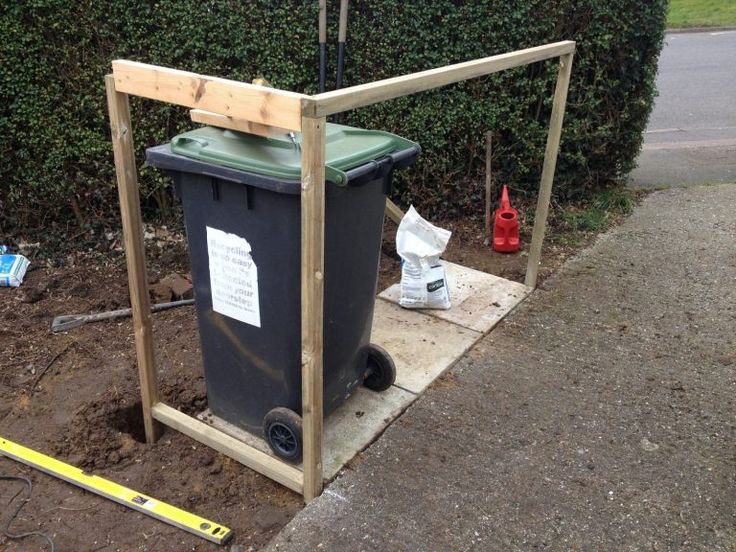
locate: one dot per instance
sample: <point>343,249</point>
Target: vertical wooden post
<point>130,212</point>
<point>548,169</point>
<point>489,151</point>
<point>313,238</point>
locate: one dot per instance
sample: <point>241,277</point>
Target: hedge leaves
<point>54,135</point>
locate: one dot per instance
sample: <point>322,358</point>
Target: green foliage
<point>588,220</point>
<point>596,213</point>
<point>54,135</point>
<point>618,200</point>
<point>701,13</point>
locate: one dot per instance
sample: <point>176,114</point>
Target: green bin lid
<point>278,156</point>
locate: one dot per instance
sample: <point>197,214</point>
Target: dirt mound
<point>109,430</point>
<point>103,432</point>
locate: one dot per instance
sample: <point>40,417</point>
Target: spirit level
<point>127,497</point>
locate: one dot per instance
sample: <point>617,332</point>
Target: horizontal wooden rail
<point>239,100</point>
<point>338,101</point>
<point>276,469</point>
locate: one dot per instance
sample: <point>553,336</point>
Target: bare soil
<point>75,396</point>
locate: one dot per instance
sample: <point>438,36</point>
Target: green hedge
<point>54,136</point>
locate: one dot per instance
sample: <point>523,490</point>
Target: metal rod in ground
<point>68,321</point>
<point>489,148</point>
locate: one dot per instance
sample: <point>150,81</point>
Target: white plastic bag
<point>423,280</point>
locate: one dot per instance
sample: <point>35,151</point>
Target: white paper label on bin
<point>233,277</point>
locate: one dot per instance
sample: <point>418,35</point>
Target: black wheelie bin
<point>241,199</point>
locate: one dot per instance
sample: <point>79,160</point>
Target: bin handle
<point>188,139</point>
<point>374,170</point>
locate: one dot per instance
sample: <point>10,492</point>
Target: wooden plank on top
<point>241,125</point>
<point>239,100</point>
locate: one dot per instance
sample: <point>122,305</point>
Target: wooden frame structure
<point>264,111</point>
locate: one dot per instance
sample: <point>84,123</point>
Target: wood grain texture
<point>247,455</point>
<point>393,211</point>
<point>130,212</point>
<point>338,101</point>
<point>312,285</point>
<point>241,125</point>
<point>548,169</point>
<point>259,104</point>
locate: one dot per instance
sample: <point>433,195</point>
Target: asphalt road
<point>691,138</point>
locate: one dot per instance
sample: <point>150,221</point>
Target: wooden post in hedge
<point>489,183</point>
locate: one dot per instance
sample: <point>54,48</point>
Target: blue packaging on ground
<point>12,270</point>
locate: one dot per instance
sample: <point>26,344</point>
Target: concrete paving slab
<point>479,300</point>
<point>358,422</point>
<point>422,346</point>
<point>347,431</point>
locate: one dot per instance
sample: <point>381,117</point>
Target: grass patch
<point>574,222</point>
<point>701,13</point>
<point>585,220</point>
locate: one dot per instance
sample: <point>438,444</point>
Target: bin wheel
<point>381,372</point>
<point>283,430</point>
